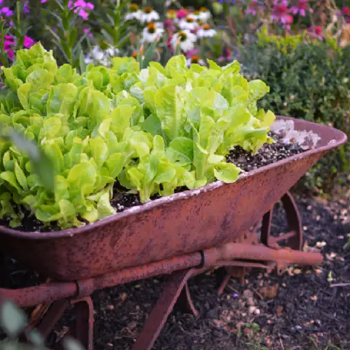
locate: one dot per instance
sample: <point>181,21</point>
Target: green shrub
<point>153,130</point>
<point>308,80</point>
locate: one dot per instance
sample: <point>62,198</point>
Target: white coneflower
<point>185,39</point>
<point>149,15</point>
<point>111,52</point>
<point>206,32</point>
<point>152,32</point>
<point>95,55</point>
<point>204,14</point>
<point>195,59</point>
<point>99,56</point>
<point>196,15</point>
<point>188,23</point>
<point>133,13</point>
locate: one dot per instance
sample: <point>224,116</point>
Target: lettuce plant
<point>152,130</point>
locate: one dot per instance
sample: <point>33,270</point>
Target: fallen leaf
<point>269,292</point>
<point>314,298</point>
<point>279,310</point>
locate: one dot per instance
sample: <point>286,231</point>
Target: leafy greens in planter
<point>152,130</point>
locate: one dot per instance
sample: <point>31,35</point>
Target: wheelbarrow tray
<point>182,223</point>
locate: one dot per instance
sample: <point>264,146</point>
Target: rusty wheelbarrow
<point>181,235</point>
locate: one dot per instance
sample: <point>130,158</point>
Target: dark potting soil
<point>304,309</point>
<point>267,154</point>
<point>124,199</point>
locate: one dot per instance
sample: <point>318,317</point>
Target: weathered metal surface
<point>242,251</point>
<point>48,293</point>
<point>182,223</point>
<point>228,254</point>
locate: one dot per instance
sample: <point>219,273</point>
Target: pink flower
<point>301,8</point>
<point>226,55</point>
<point>9,43</point>
<point>280,13</point>
<point>316,32</point>
<point>28,42</point>
<point>81,7</point>
<point>169,25</point>
<point>87,31</point>
<point>43,1</point>
<point>182,13</point>
<point>192,52</point>
<point>346,11</point>
<point>10,54</point>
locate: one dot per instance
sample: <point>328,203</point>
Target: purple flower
<point>25,7</point>
<point>227,1</point>
<point>6,11</point>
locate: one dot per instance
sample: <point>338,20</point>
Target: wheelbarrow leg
<point>53,315</point>
<point>83,328</point>
<point>185,303</point>
<point>238,272</point>
<point>84,323</point>
<point>162,309</point>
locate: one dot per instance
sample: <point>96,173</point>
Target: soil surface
<point>124,199</point>
<point>305,308</point>
<point>267,154</point>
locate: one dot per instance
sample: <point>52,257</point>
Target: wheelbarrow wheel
<point>294,237</point>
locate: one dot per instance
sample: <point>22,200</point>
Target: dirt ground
<point>302,309</point>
